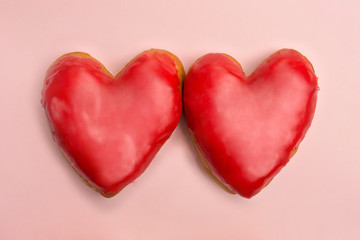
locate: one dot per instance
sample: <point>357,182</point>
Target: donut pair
<point>244,128</point>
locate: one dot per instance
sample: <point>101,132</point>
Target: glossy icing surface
<point>111,128</point>
<point>247,127</point>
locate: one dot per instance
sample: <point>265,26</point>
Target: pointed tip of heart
<point>110,195</point>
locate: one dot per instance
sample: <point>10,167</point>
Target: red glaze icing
<point>111,128</point>
<point>247,127</point>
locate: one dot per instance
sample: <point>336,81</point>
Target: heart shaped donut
<point>247,128</point>
<point>110,128</point>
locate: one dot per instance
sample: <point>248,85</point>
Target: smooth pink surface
<point>316,196</point>
<point>247,128</point>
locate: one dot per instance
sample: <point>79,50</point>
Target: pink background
<point>317,196</point>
